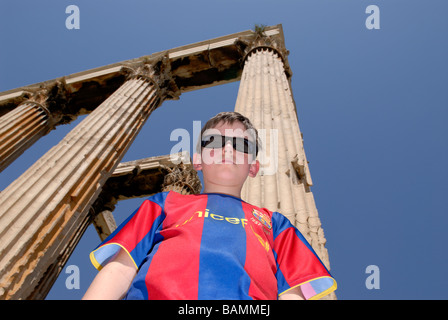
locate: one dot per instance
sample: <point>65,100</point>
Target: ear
<point>253,169</point>
<point>197,163</point>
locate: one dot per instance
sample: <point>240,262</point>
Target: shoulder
<point>280,219</point>
<point>281,223</point>
<point>173,198</point>
<point>159,198</point>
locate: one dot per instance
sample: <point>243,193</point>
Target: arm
<point>293,294</point>
<point>114,280</point>
<point>298,262</point>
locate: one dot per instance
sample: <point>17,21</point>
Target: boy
<point>212,245</point>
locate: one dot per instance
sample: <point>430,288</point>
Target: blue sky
<point>372,107</point>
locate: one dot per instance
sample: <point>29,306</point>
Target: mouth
<point>226,161</point>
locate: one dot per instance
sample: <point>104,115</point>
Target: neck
<point>235,192</point>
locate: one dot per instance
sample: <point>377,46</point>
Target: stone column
<point>32,119</point>
<point>283,183</point>
<point>42,211</point>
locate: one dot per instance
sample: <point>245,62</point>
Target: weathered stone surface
<point>45,208</point>
<point>283,183</point>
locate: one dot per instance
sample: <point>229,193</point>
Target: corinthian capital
<point>261,40</point>
<point>156,70</point>
<point>53,98</point>
<point>182,179</point>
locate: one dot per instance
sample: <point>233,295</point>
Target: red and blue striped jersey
<point>213,246</point>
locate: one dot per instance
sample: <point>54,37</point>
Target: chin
<point>225,178</point>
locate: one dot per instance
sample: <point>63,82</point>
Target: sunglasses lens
<point>216,141</point>
<point>242,145</point>
<point>212,141</point>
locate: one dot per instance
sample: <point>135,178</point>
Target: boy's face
<point>226,166</point>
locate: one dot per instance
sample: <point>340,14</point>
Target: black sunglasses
<point>216,141</point>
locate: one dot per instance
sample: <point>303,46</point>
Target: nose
<point>228,147</point>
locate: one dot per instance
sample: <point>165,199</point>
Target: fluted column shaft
<point>265,97</point>
<point>42,210</point>
<point>20,128</point>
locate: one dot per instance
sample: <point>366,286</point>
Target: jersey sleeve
<point>297,263</point>
<point>136,235</point>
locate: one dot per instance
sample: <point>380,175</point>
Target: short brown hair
<point>230,118</point>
